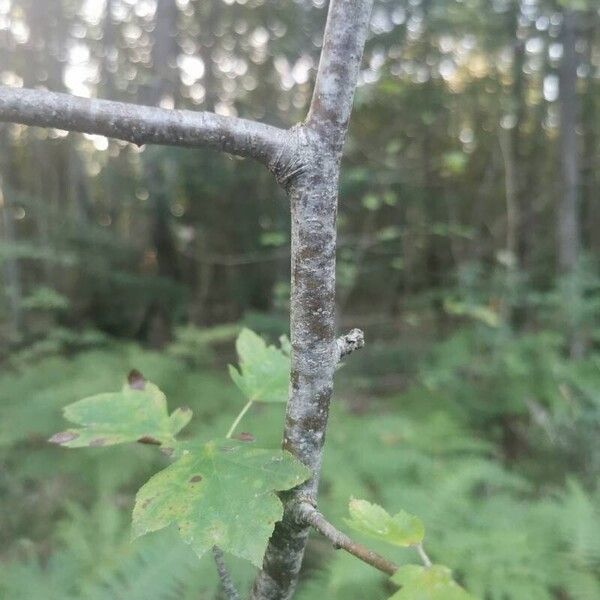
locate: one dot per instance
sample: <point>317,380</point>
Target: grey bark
<point>306,162</point>
<point>141,124</point>
<point>348,343</point>
<point>312,183</point>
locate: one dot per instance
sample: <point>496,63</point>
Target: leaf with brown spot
<point>149,440</point>
<point>133,414</point>
<point>232,502</point>
<point>244,436</point>
<point>136,380</point>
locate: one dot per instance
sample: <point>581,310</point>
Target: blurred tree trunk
<point>517,242</point>
<point>11,277</point>
<point>536,169</point>
<point>203,271</point>
<point>569,237</point>
<point>162,90</point>
<point>48,183</point>
<point>11,269</point>
<point>591,121</point>
<point>511,187</point>
<point>514,189</point>
<point>110,49</point>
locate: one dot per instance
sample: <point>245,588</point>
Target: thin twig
<point>343,44</point>
<point>226,581</point>
<point>348,343</point>
<point>309,514</point>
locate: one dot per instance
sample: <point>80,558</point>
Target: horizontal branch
<point>310,515</point>
<point>142,124</point>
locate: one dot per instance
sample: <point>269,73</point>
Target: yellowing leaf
<point>481,313</point>
<point>427,583</point>
<point>219,493</point>
<point>137,413</point>
<point>402,529</point>
<point>264,370</point>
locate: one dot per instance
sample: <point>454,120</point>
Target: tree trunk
<point>311,180</point>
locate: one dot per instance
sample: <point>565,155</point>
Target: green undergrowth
<point>507,531</point>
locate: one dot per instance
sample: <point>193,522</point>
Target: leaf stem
<point>239,418</point>
<point>423,555</point>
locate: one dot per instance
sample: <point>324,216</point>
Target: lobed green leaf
<point>264,370</point>
<point>219,493</point>
<point>402,529</point>
<point>427,583</point>
<point>138,413</point>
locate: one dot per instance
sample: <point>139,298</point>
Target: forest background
<point>469,253</point>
